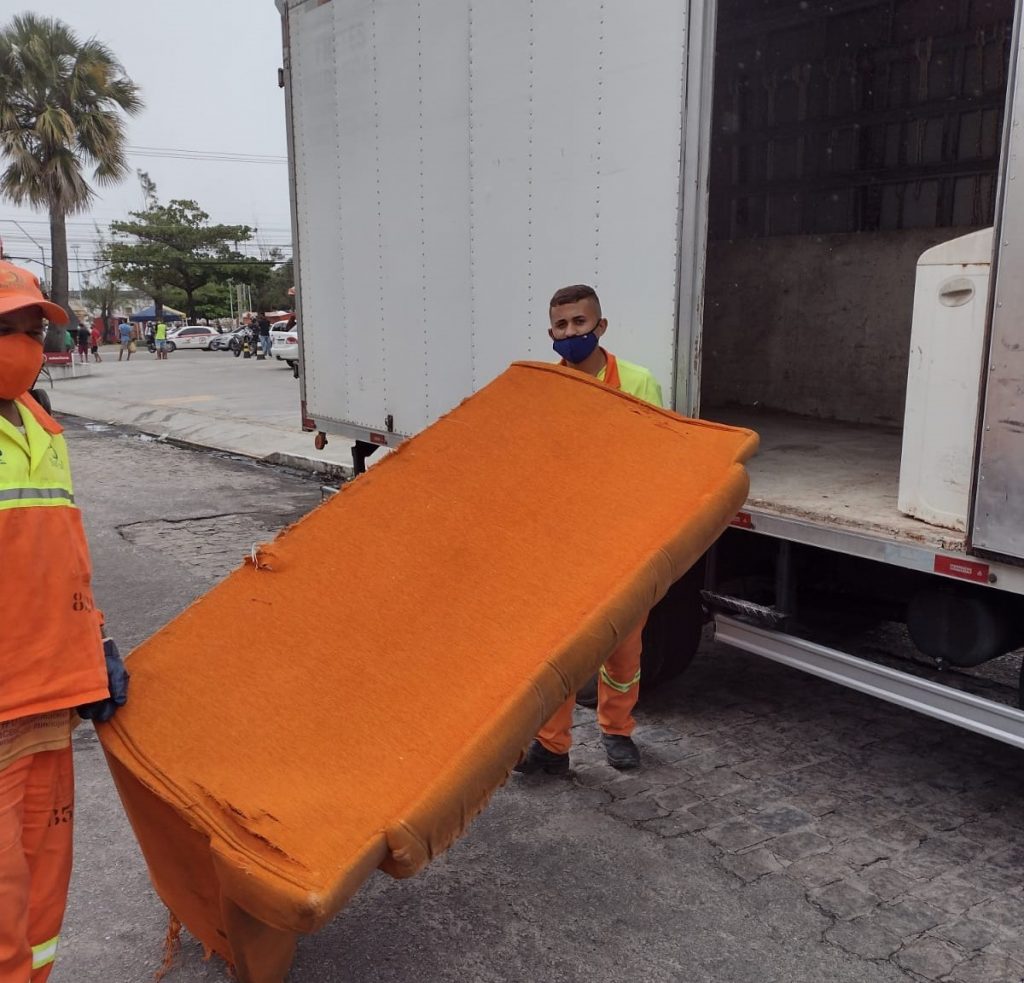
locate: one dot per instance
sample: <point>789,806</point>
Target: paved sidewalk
<point>205,399</point>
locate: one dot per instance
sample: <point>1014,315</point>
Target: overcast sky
<point>207,70</point>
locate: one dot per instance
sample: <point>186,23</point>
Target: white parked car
<point>192,336</point>
<point>284,345</point>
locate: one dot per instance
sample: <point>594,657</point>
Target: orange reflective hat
<point>19,288</point>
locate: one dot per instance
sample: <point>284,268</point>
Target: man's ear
<point>601,327</point>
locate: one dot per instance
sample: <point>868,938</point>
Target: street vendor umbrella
<point>149,314</point>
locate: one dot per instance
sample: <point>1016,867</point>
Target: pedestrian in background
<point>53,656</point>
<point>96,336</point>
<point>124,332</point>
<point>263,326</point>
<point>84,340</point>
<point>160,339</point>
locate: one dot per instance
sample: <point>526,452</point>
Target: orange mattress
<point>353,701</point>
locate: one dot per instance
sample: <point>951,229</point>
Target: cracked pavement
<point>781,829</point>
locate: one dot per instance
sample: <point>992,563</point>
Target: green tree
<point>209,301</point>
<point>62,102</point>
<point>101,294</point>
<point>273,294</point>
<point>149,197</point>
<point>174,246</point>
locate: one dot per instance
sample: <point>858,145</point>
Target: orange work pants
<point>618,688</point>
<point>36,810</point>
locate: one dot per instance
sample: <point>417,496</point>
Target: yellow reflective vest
<point>51,648</point>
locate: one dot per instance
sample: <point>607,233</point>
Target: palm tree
<point>61,105</point>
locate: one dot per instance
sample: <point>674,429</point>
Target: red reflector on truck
<point>308,425</point>
<point>743,520</point>
<point>953,566</point>
<point>379,438</point>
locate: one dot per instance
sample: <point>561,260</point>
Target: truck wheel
<point>673,630</point>
<point>671,636</point>
<point>964,626</point>
<point>586,695</point>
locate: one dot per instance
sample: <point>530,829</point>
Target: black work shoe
<point>539,758</point>
<point>621,752</point>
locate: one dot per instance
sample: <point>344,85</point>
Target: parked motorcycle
<point>243,343</point>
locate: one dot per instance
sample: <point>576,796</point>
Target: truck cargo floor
<point>830,473</point>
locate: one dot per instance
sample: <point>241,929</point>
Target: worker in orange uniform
<point>576,326</point>
<point>53,657</point>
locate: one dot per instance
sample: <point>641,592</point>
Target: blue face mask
<point>575,349</point>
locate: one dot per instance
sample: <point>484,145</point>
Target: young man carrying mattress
<point>576,327</point>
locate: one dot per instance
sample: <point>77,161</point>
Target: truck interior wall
<point>847,138</point>
<point>816,325</point>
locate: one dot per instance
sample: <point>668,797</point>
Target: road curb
<point>188,428</point>
<point>329,468</point>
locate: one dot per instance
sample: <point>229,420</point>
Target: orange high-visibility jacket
<point>51,648</point>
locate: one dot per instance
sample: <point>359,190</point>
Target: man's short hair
<point>574,294</point>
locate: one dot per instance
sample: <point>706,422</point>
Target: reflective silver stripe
<point>18,494</point>
<point>621,687</point>
<point>44,953</point>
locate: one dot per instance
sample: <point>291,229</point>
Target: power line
<point>78,271</point>
<point>222,156</point>
<point>82,240</point>
<point>106,223</point>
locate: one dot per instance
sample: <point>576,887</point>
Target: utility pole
<point>42,252</point>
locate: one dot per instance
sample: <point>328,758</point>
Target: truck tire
<point>673,630</point>
<point>671,636</point>
<point>964,626</point>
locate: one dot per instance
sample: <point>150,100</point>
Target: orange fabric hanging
<point>254,828</point>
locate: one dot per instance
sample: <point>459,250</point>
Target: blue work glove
<point>117,683</point>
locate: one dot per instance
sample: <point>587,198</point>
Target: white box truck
<point>754,189</point>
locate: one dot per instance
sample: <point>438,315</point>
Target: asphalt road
<point>782,829</point>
